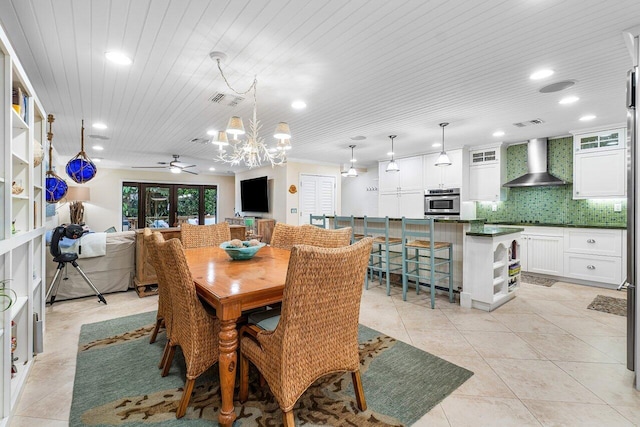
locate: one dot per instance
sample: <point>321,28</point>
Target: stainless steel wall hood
<point>538,175</point>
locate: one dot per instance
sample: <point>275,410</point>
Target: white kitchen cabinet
<point>443,176</point>
<point>487,171</point>
<point>596,255</point>
<point>409,178</point>
<point>599,164</point>
<point>542,250</point>
<point>401,203</point>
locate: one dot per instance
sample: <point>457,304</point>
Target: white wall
<point>360,194</point>
<point>276,177</point>
<point>105,208</point>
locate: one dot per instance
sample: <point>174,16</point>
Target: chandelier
<point>252,150</point>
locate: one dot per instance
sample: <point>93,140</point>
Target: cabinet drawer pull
<point>591,267</point>
<point>591,241</point>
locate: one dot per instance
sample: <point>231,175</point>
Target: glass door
<point>188,204</point>
<point>156,202</point>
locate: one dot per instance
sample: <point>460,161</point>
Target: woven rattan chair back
<point>194,330</point>
<point>285,236</point>
<point>325,237</point>
<point>197,236</point>
<point>318,330</point>
<point>163,315</point>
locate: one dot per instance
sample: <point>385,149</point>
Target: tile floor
<point>541,359</point>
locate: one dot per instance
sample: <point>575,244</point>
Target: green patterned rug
<point>118,383</point>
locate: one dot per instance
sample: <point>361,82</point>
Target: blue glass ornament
<point>80,168</point>
<point>56,188</point>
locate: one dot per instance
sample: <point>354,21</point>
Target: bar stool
<point>318,220</point>
<point>381,259</point>
<point>422,259</point>
<point>347,221</point>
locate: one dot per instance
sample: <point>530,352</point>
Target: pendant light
<point>352,172</point>
<point>443,159</point>
<point>56,187</point>
<point>393,165</point>
<point>80,168</point>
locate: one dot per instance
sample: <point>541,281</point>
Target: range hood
<point>538,175</point>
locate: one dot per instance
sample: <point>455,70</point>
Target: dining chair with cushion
<point>424,260</point>
<point>325,237</point>
<point>197,236</point>
<point>318,220</point>
<point>285,236</point>
<point>382,259</point>
<point>317,333</point>
<point>347,221</point>
<point>194,329</point>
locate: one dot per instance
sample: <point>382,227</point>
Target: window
<point>157,205</point>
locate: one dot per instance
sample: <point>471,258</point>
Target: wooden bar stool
<point>423,258</point>
<point>381,260</point>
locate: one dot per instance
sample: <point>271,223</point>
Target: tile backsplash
<point>550,204</point>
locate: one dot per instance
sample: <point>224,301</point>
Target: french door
<point>317,196</point>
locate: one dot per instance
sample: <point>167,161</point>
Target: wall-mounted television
<point>254,195</point>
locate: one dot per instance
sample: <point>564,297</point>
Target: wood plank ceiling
<point>364,67</point>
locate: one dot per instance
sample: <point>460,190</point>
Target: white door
<point>317,196</point>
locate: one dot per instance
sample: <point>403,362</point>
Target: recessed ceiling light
<point>436,144</point>
<point>118,58</point>
<point>98,147</point>
<point>99,125</point>
<point>298,105</point>
<point>212,132</point>
<point>498,133</point>
<point>97,159</point>
<point>587,118</point>
<point>568,100</point>
<point>557,86</point>
<point>358,138</point>
<point>212,168</point>
<point>541,74</point>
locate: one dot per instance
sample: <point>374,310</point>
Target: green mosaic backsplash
<point>553,205</point>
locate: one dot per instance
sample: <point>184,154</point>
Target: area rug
<point>617,306</point>
<point>118,382</point>
<point>536,280</point>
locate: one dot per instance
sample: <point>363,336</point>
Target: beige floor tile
<point>474,320</point>
<point>575,414</point>
<point>551,307</point>
<point>417,318</point>
<point>612,383</point>
<point>631,413</point>
<point>18,421</point>
<point>516,305</point>
<point>484,382</point>
<point>583,325</point>
<point>476,411</point>
<point>501,344</point>
<point>442,342</point>
<point>615,347</point>
<point>541,380</point>
<point>434,418</point>
<point>48,392</point>
<point>523,322</point>
<point>565,347</point>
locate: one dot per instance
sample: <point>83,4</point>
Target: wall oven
<point>442,202</point>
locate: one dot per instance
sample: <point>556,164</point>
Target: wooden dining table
<point>232,287</point>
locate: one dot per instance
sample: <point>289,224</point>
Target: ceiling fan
<point>174,166</point>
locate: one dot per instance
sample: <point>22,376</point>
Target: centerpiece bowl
<point>247,251</point>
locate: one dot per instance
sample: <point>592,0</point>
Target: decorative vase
<point>38,154</point>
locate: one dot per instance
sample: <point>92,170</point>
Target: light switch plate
<point>494,207</point>
<point>294,210</point>
<point>617,207</point>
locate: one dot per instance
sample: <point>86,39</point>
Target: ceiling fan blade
<point>192,173</point>
<point>188,166</point>
<point>181,164</point>
<point>149,167</point>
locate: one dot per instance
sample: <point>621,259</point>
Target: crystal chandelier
<point>253,150</point>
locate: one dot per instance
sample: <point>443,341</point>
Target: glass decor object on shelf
<point>38,153</point>
<point>253,150</point>
<point>7,296</point>
<point>80,168</point>
<point>56,187</point>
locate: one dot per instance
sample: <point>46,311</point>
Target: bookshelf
<point>22,207</point>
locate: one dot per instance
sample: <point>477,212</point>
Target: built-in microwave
<point>442,202</point>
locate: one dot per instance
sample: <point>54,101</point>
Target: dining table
<point>232,287</point>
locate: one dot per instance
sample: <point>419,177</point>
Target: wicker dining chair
<point>325,237</point>
<point>197,236</point>
<point>317,333</point>
<point>194,329</point>
<point>164,315</point>
<point>285,236</point>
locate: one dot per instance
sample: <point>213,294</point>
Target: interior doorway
<point>317,196</point>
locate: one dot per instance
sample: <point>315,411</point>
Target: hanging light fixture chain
<point>252,87</point>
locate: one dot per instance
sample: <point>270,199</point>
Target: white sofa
<point>112,272</point>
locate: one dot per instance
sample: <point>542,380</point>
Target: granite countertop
<point>491,231</point>
<point>617,225</point>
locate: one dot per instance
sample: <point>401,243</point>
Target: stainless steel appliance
<point>633,222</point>
<point>442,202</point>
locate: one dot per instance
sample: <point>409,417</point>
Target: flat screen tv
<point>254,195</point>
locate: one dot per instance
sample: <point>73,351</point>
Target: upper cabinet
<point>409,178</point>
<point>599,164</point>
<point>443,176</point>
<point>487,170</point>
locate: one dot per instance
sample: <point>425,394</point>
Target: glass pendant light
<point>56,188</point>
<point>443,159</point>
<point>80,168</point>
<point>352,172</point>
<point>393,165</point>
